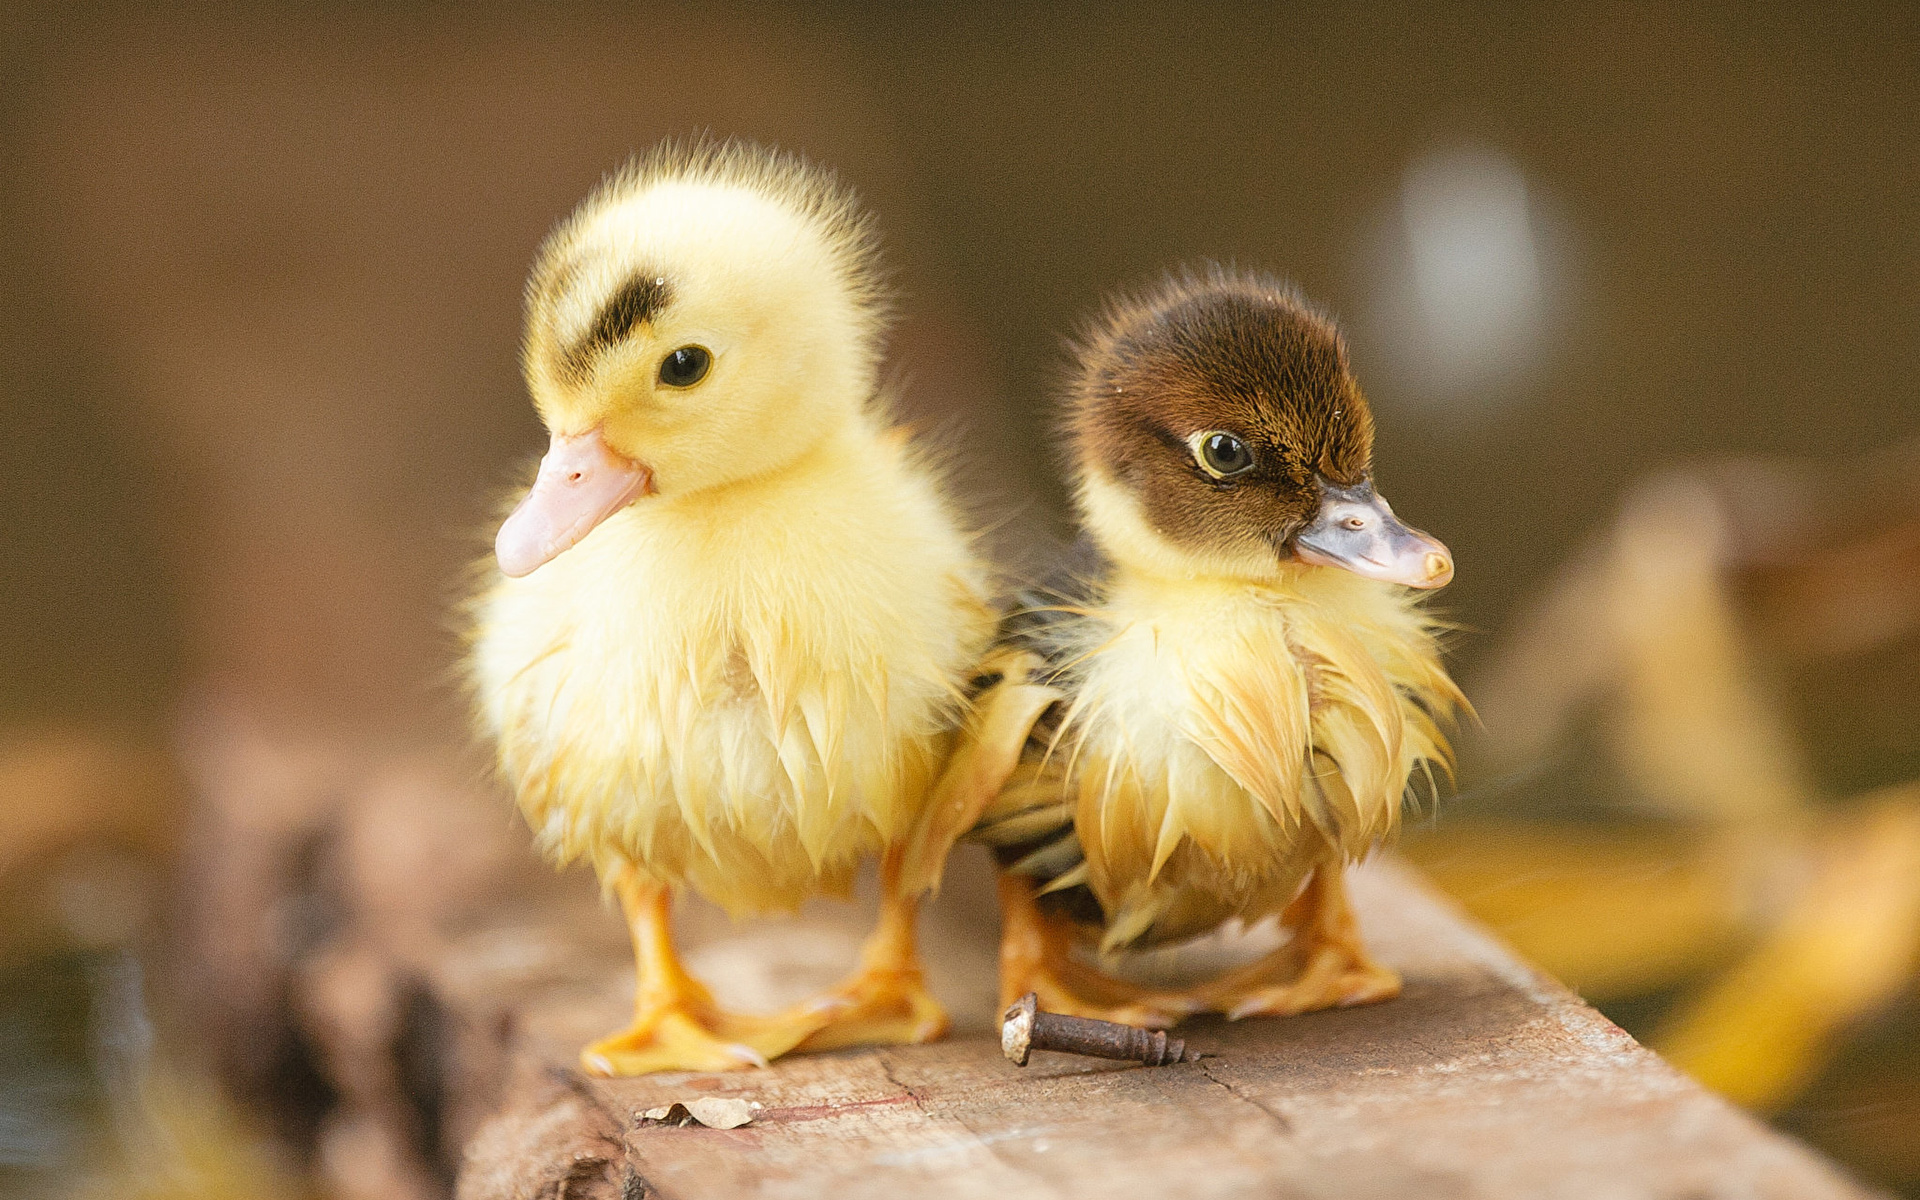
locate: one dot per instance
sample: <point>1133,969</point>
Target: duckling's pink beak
<point>582,482</point>
<point>1356,531</point>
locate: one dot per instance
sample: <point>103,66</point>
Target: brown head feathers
<point>1221,403</point>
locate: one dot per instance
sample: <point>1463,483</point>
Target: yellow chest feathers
<point>745,691</point>
<point>1242,721</point>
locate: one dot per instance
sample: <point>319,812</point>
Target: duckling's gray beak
<point>1356,531</point>
<point>582,482</point>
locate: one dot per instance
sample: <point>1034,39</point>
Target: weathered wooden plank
<point>1484,1080</point>
<point>453,979</point>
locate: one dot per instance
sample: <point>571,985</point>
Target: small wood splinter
<point>1025,1029</point>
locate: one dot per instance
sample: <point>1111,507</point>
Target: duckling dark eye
<point>686,366</point>
<point>1223,455</point>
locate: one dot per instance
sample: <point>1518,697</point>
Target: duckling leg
<point>1324,965</point>
<point>676,1025</point>
<point>886,999</point>
<point>1036,955</point>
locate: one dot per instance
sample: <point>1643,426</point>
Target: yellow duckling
<point>735,615</point>
<point>1224,705</point>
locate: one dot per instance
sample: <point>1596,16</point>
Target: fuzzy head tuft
<point>714,309</point>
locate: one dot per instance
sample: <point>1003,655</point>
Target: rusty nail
<point>1025,1028</point>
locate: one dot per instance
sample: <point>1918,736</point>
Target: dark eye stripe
<point>1173,440</point>
<point>638,300</point>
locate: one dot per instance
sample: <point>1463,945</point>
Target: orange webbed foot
<point>681,1037</point>
<point>1324,966</point>
<point>886,1000</point>
<point>1036,955</point>
<point>880,1006</point>
<point>1077,990</point>
<point>1331,980</point>
<point>676,1024</point>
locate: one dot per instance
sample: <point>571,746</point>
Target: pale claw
<point>829,1004</point>
<point>1246,1008</point>
<point>747,1054</point>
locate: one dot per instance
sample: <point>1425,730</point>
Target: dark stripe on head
<point>638,299</point>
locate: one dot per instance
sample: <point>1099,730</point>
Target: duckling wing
<point>1016,691</point>
<point>1028,818</point>
<point>987,752</point>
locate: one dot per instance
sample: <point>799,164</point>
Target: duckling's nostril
<point>576,477</point>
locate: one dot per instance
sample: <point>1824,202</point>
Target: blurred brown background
<point>260,272</point>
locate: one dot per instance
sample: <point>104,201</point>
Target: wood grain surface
<point>1484,1079</point>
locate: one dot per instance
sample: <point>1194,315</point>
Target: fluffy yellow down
<point>1226,736</point>
<point>745,689</point>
